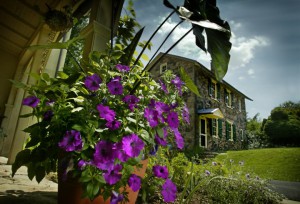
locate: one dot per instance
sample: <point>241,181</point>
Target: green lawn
<point>274,163</point>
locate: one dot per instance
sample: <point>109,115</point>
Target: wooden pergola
<point>22,24</point>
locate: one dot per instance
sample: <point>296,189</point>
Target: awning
<point>211,113</point>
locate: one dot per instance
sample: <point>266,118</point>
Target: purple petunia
<point>71,141</point>
<point>113,176</point>
<point>132,145</point>
<point>92,82</point>
<point>132,101</point>
<point>122,68</point>
<point>207,173</point>
<point>178,83</point>
<point>115,86</point>
<point>31,101</point>
<point>178,139</point>
<point>169,191</point>
<point>173,120</point>
<point>163,86</point>
<point>48,115</point>
<point>161,108</point>
<point>104,155</point>
<point>160,171</point>
<point>113,125</point>
<point>160,141</point>
<point>121,155</point>
<point>81,164</point>
<point>151,116</point>
<point>186,114</point>
<point>106,113</point>
<point>116,198</point>
<point>134,182</point>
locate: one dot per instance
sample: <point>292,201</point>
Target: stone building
<point>218,116</point>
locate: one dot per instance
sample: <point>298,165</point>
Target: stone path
<point>22,190</point>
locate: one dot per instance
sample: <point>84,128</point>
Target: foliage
<point>99,123</point>
<point>283,125</point>
<point>210,182</point>
<point>255,136</point>
<point>273,163</point>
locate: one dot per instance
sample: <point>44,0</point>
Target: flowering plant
<point>100,127</point>
<point>102,119</point>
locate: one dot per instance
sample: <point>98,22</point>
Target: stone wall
<point>201,77</point>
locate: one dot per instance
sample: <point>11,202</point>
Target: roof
<point>211,113</point>
<point>202,67</point>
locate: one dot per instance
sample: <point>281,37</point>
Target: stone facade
<point>207,129</point>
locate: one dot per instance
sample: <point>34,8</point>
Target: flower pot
<point>70,191</point>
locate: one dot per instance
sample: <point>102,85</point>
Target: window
<point>241,134</point>
<point>214,127</point>
<point>228,98</point>
<point>163,68</point>
<point>230,131</point>
<point>214,89</point>
<point>240,105</point>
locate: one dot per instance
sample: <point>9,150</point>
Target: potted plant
<point>95,124</point>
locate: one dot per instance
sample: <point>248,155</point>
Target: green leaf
<point>131,120</point>
<point>18,84</point>
<point>62,75</point>
<point>145,57</point>
<point>129,50</point>
<point>22,158</point>
<point>26,115</point>
<point>77,109</point>
<point>100,179</point>
<point>34,140</point>
<point>77,127</point>
<point>145,135</point>
<point>40,173</point>
<point>56,45</point>
<point>160,132</point>
<point>189,82</point>
<point>35,75</point>
<point>31,171</point>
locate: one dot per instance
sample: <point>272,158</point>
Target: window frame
<point>228,98</point>
<point>163,68</point>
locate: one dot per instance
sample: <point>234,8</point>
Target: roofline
<point>209,72</point>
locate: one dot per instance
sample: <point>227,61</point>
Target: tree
<point>256,137</point>
<point>283,125</point>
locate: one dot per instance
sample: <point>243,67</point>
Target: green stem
<point>138,82</point>
<point>154,33</point>
<point>164,42</point>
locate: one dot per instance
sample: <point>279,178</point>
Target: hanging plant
<point>59,21</point>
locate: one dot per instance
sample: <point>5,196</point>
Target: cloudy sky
<point>265,54</point>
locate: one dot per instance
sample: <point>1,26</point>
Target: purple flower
<point>31,101</point>
<point>122,68</point>
<point>71,141</point>
<point>161,108</point>
<point>132,101</point>
<point>178,83</point>
<point>48,115</point>
<point>163,86</point>
<point>154,150</point>
<point>115,86</point>
<point>169,191</point>
<point>178,139</point>
<point>151,116</point>
<point>121,155</point>
<point>160,141</point>
<point>81,164</point>
<point>173,120</point>
<point>92,82</point>
<point>214,163</point>
<point>160,171</point>
<point>186,114</point>
<point>113,176</point>
<point>115,198</point>
<point>104,155</point>
<point>207,173</point>
<point>106,113</point>
<point>113,125</point>
<point>132,145</point>
<point>134,182</point>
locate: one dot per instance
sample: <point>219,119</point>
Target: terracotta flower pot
<point>70,191</point>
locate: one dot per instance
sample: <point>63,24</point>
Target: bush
<point>210,182</point>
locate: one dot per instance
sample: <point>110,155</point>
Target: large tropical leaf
<point>189,82</point>
<point>129,50</point>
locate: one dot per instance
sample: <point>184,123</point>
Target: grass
<point>273,163</point>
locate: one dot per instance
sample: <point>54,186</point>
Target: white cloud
<point>250,71</point>
<point>243,49</point>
